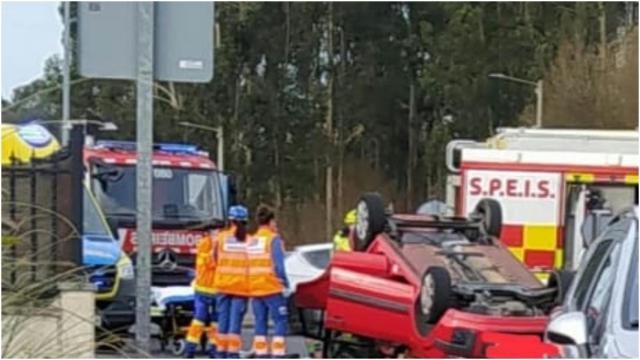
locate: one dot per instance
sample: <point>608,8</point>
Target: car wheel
<point>561,280</point>
<point>370,220</point>
<point>491,214</point>
<point>434,297</point>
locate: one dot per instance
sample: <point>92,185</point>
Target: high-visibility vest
<point>263,280</point>
<point>205,267</point>
<point>232,264</point>
<point>341,243</point>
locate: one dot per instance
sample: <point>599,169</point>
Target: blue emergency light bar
<point>165,147</point>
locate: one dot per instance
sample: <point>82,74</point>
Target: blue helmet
<point>238,212</point>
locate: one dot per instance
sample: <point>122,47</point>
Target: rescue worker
<point>205,299</point>
<point>231,282</point>
<point>341,241</point>
<point>267,284</point>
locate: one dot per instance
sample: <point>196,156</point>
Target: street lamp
<point>536,84</point>
<point>219,137</point>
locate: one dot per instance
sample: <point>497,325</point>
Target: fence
<point>42,216</point>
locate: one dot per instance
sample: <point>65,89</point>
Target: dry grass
<point>585,90</point>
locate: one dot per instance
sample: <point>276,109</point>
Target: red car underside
<point>374,294</point>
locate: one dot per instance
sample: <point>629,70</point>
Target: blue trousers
<point>231,310</point>
<point>204,314</point>
<point>276,306</point>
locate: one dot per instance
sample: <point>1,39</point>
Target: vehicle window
<point>92,222</point>
<point>319,259</point>
<point>587,274</point>
<point>179,194</point>
<point>630,308</point>
<point>598,302</point>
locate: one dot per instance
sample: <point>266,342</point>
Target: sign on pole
<point>144,41</point>
<point>183,38</point>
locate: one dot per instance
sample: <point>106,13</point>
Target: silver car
<point>599,316</point>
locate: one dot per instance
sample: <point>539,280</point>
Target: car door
<point>592,294</point>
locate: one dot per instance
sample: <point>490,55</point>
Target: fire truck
<point>549,183</point>
<point>189,200</point>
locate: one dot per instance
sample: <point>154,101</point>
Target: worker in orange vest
<point>268,283</point>
<point>205,299</point>
<point>231,281</point>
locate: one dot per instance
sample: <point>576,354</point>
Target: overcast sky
<point>31,32</point>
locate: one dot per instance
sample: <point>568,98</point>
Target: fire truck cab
<point>189,200</point>
<point>550,183</point>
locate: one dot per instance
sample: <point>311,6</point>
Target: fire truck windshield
<point>180,195</point>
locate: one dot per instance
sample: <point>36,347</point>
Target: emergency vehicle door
<point>574,218</point>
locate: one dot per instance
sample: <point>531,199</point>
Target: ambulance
<point>549,182</point>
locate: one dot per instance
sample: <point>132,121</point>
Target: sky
<point>31,32</point>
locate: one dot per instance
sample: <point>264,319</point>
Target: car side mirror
<point>568,329</point>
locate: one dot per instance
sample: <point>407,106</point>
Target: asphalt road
<point>296,345</point>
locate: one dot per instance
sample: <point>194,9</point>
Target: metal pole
<point>220,155</point>
<point>539,104</point>
<point>65,75</point>
<point>144,135</point>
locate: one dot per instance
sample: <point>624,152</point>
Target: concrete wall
<point>64,329</point>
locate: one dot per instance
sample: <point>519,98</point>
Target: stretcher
<point>172,311</point>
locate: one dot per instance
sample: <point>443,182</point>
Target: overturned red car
<point>428,286</point>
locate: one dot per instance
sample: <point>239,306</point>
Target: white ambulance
<point>548,182</point>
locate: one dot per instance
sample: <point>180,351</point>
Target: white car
<point>599,317</point>
<point>307,262</point>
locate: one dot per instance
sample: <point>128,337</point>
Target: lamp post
<point>219,138</point>
<point>538,91</point>
<point>65,74</point>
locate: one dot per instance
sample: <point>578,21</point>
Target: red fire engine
<point>189,200</point>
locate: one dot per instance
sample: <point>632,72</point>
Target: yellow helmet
<point>350,217</point>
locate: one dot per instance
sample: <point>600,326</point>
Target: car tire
<point>371,220</point>
<point>561,279</point>
<point>491,214</point>
<point>434,297</point>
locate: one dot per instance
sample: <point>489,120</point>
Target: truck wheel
<point>561,280</point>
<point>434,297</point>
<point>371,220</point>
<point>491,213</point>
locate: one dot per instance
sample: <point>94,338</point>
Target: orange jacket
<point>231,269</point>
<point>262,276</point>
<point>205,266</point>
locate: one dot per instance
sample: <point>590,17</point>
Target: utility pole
<point>329,129</point>
<point>144,137</point>
<point>65,74</point>
<point>539,98</point>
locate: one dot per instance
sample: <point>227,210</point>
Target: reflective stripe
<point>222,342</point>
<point>195,331</point>
<point>234,343</point>
<point>631,179</point>
<point>278,346</point>
<point>230,270</point>
<point>540,237</point>
<point>260,270</point>
<point>212,333</point>
<point>580,177</point>
<point>260,345</point>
